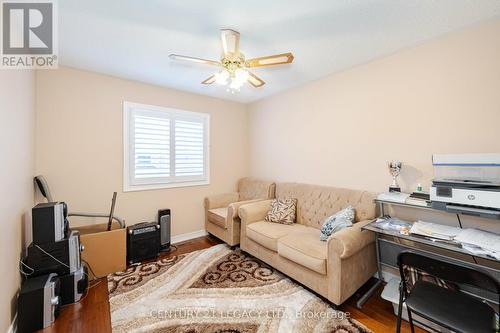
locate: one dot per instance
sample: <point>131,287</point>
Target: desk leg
<point>368,294</point>
<point>362,300</point>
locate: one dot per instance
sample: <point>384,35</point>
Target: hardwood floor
<point>91,314</point>
<point>377,314</point>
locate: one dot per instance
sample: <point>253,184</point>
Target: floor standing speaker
<point>164,220</point>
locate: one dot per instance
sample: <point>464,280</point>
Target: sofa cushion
<point>282,211</point>
<point>336,222</point>
<point>268,233</point>
<point>305,248</point>
<point>218,216</point>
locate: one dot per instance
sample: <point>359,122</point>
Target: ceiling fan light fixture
<point>221,77</point>
<point>234,73</point>
<point>241,75</point>
<point>235,85</point>
<point>238,79</point>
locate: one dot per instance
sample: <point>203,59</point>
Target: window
<point>164,147</point>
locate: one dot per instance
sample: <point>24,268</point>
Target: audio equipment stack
<point>53,271</point>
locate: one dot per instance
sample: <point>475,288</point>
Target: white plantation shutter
<point>164,147</point>
<point>189,150</point>
<point>151,147</point>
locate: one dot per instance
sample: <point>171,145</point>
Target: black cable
<point>91,270</point>
<point>459,221</point>
<point>474,258</point>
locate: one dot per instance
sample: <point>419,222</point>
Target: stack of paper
<point>434,230</point>
<point>393,197</point>
<point>477,250</point>
<point>483,239</point>
<point>476,241</point>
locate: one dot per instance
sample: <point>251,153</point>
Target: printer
<point>467,184</point>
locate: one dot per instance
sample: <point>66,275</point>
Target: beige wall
<point>79,145</point>
<point>17,111</point>
<point>439,97</point>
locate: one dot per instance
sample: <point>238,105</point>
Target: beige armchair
<point>221,211</point>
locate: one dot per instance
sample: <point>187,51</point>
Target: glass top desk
<point>389,244</point>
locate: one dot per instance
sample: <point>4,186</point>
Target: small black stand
<point>394,189</point>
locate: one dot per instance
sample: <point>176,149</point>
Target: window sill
<point>135,188</point>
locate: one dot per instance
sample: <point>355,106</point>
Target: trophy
<point>394,170</point>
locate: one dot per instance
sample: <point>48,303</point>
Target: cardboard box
<point>105,251</point>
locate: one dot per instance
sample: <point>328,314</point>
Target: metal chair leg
<point>400,309</point>
<point>410,320</point>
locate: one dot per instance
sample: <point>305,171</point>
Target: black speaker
<point>143,241</point>
<point>164,220</point>
<point>73,285</point>
<point>39,303</point>
<point>49,222</point>
<point>62,257</point>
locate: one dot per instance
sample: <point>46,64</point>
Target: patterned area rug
<point>217,291</point>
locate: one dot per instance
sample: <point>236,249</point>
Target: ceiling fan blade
<point>278,59</point>
<point>193,59</point>
<point>230,42</point>
<point>209,80</point>
<point>254,80</point>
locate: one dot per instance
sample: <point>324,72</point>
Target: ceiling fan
<point>234,65</point>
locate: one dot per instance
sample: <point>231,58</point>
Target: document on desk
<point>393,197</point>
<point>476,250</point>
<point>483,239</point>
<point>435,230</point>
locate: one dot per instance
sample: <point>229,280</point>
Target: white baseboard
<point>188,236</point>
<point>13,326</point>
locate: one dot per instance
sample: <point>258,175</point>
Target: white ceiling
<point>132,39</point>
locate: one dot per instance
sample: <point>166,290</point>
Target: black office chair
<point>449,308</point>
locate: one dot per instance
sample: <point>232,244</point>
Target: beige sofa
<point>334,269</point>
<point>221,211</point>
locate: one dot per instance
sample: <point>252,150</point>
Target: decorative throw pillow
<point>336,222</point>
<point>282,211</point>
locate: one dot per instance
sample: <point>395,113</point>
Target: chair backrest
<point>251,188</point>
<point>448,271</point>
<point>315,202</point>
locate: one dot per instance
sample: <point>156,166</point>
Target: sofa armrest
<point>254,212</point>
<point>234,207</point>
<point>350,241</point>
<point>221,200</point>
